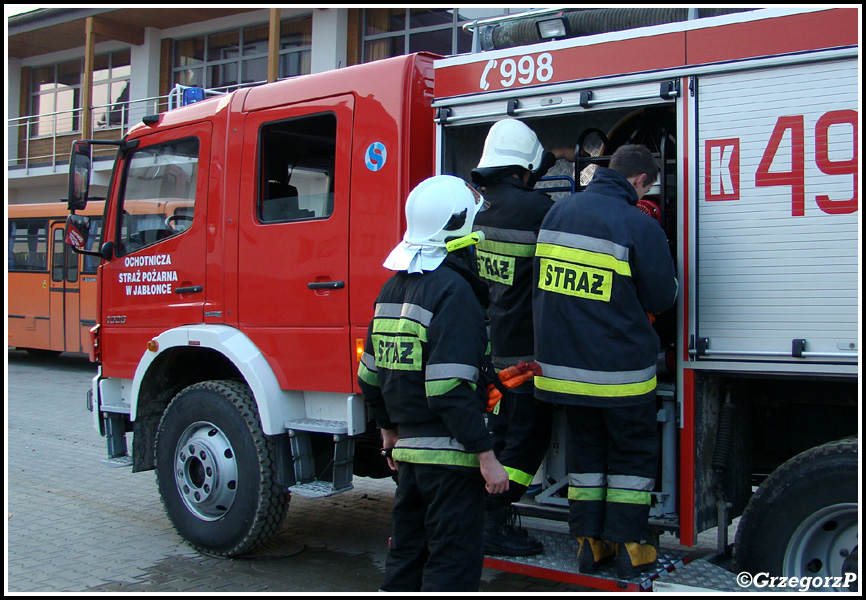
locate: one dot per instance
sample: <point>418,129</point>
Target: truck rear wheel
<point>802,520</point>
<point>214,469</point>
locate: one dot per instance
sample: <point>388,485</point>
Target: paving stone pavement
<point>76,525</point>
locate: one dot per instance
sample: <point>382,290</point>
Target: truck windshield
<point>159,193</point>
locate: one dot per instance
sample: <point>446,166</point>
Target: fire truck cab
<point>252,302</point>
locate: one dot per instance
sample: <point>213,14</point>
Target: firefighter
<point>511,163</point>
<point>421,373</point>
<point>601,266</point>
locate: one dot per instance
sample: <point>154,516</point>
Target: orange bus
<point>51,290</point>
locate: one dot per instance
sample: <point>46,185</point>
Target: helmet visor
<point>479,200</point>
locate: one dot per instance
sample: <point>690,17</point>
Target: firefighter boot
<point>633,557</point>
<point>502,536</point>
<point>592,553</point>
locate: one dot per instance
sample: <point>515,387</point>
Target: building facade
<point>76,73</point>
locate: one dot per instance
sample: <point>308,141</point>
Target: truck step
<point>558,562</point>
<point>117,462</point>
<point>318,426</point>
<point>317,489</point>
<point>702,576</point>
<point>307,476</point>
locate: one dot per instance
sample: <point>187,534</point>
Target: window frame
<point>407,31</point>
<point>263,172</point>
<point>41,239</point>
<point>122,248</point>
<point>244,56</point>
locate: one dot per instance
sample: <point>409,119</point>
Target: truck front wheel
<point>803,520</point>
<point>214,469</point>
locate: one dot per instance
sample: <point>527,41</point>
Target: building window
<point>55,94</point>
<point>239,57</point>
<point>111,89</point>
<point>395,31</point>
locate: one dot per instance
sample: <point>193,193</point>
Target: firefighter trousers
<point>522,434</point>
<point>437,543</point>
<point>612,460</point>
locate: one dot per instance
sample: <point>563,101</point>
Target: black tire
<point>803,519</point>
<point>215,470</point>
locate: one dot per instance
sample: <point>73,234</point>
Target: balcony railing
<point>44,141</point>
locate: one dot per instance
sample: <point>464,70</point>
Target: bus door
<point>64,297</point>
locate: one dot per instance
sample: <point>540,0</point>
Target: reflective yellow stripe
<point>617,390</point>
<point>507,248</point>
<point>439,387</point>
<point>584,257</point>
<point>400,326</point>
<point>367,375</point>
<point>518,477</point>
<point>628,496</point>
<point>586,494</point>
<point>435,457</point>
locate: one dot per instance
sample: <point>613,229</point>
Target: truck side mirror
<point>77,230</point>
<point>79,175</point>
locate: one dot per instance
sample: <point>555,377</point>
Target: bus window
<point>28,244</point>
<point>158,176</point>
<point>57,259</point>
<point>61,250</point>
<point>94,240</point>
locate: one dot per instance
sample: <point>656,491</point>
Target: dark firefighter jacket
<point>505,257</point>
<point>422,365</point>
<point>601,265</point>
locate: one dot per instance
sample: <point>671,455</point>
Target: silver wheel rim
<point>821,544</point>
<point>206,471</point>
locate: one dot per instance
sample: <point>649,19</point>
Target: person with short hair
<point>601,265</point>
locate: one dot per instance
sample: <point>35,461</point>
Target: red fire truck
<point>228,335</point>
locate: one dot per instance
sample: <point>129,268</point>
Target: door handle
<point>326,285</point>
<point>193,289</point>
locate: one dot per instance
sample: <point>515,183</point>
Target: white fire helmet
<point>439,208</point>
<point>511,142</point>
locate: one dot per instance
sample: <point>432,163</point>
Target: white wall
<point>330,32</point>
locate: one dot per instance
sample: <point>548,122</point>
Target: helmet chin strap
<point>476,237</point>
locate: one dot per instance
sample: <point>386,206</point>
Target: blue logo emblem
<point>376,156</point>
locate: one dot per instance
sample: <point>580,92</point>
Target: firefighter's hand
<point>495,477</point>
<point>389,440</point>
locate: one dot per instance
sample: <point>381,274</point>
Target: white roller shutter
<point>777,264</point>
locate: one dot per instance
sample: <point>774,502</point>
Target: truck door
<point>156,280</point>
<point>777,251</point>
<point>293,243</point>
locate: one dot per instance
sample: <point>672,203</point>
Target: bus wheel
<point>802,520</point>
<point>215,470</point>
